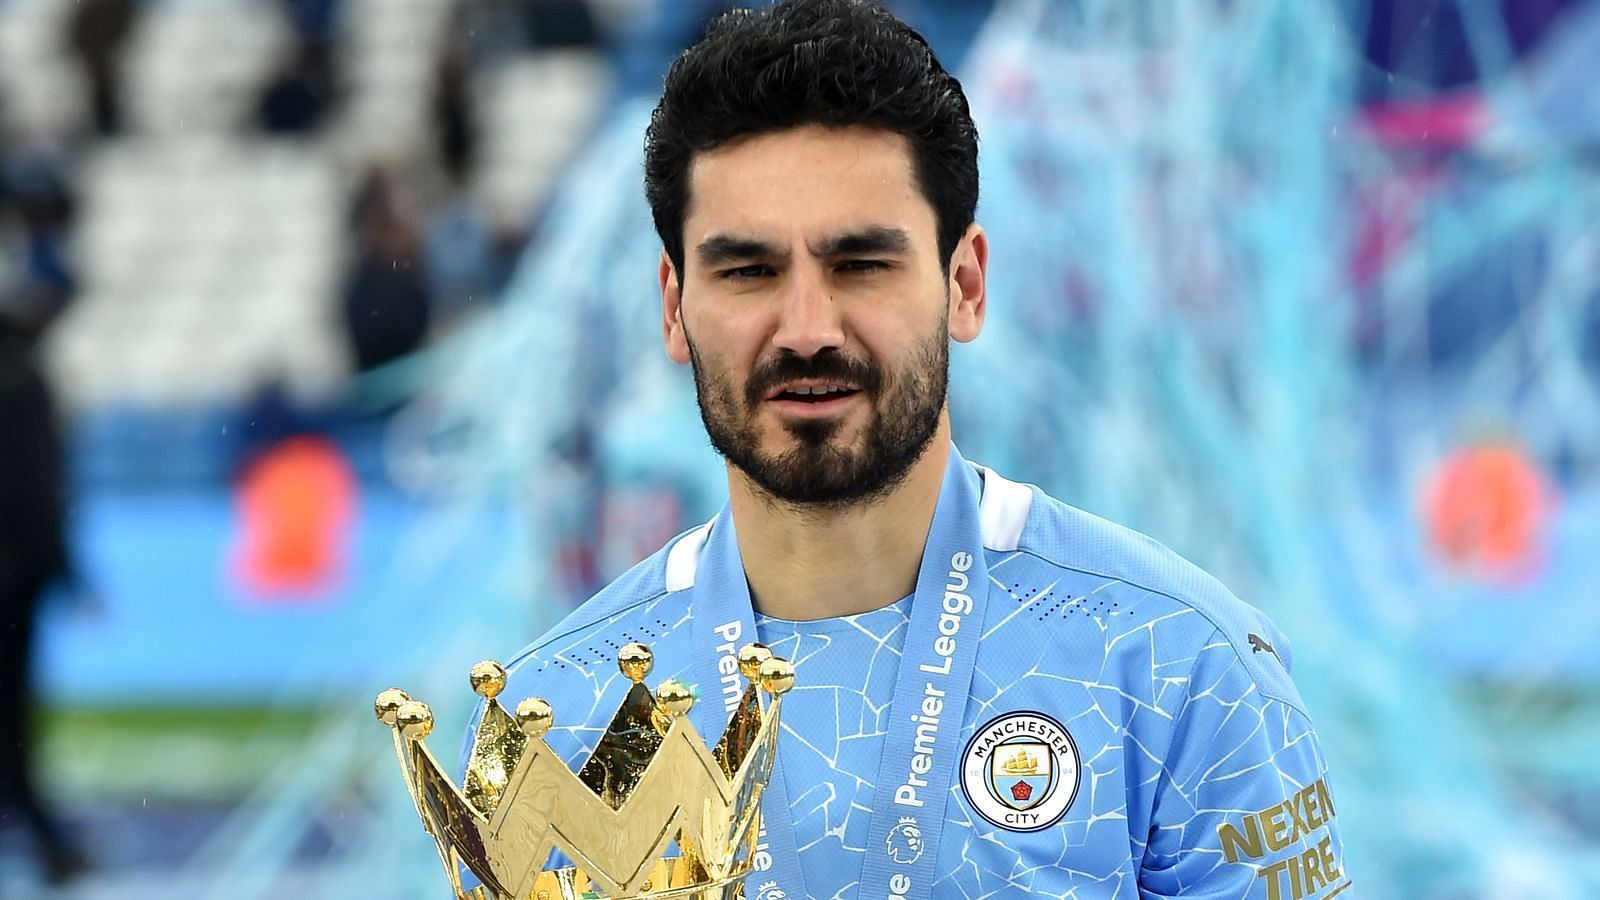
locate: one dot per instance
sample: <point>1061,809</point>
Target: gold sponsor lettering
<point>1277,830</point>
<point>1330,863</point>
<point>1303,873</point>
<point>1311,865</point>
<point>1311,810</point>
<point>1233,842</point>
<point>1270,873</point>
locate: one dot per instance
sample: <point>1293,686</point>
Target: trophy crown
<point>650,782</point>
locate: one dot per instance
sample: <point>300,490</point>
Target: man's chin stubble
<point>824,453</point>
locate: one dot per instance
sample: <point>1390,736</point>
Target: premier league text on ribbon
<point>957,604</point>
<point>728,669</point>
<point>728,663</point>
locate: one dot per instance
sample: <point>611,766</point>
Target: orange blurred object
<point>295,505</point>
<point>1487,509</point>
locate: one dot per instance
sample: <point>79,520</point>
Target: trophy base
<point>670,879</point>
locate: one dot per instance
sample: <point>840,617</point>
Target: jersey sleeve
<point>1243,807</point>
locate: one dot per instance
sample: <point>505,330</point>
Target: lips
<point>813,391</point>
<point>820,382</point>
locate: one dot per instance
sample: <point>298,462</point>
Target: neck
<point>813,563</point>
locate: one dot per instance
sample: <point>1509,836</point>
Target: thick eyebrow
<point>866,241</point>
<point>720,249</point>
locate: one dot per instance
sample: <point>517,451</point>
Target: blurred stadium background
<point>353,343</point>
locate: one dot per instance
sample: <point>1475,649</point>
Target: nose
<point>808,318</point>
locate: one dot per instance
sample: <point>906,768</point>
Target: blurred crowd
<point>421,248</point>
<point>422,253</point>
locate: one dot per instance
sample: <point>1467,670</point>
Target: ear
<point>969,266</point>
<point>672,333</point>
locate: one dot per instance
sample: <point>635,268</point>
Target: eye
<point>862,266</point>
<point>740,273</point>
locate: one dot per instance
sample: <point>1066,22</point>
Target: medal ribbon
<point>930,696</point>
<point>723,620</point>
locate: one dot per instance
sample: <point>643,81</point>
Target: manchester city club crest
<point>1020,771</point>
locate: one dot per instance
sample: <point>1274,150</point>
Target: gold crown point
<point>488,679</point>
<point>415,719</point>
<point>675,697</point>
<point>534,716</point>
<point>751,656</point>
<point>518,800</point>
<point>777,675</point>
<point>388,702</point>
<point>635,660</point>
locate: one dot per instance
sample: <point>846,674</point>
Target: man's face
<point>814,309</point>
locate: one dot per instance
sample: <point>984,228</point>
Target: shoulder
<point>629,608</point>
<point>574,664</point>
<point>1071,541</point>
<point>642,604</point>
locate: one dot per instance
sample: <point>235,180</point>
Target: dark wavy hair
<point>812,62</point>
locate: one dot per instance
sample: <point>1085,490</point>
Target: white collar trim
<point>684,558</point>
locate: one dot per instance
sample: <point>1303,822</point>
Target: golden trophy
<point>651,781</point>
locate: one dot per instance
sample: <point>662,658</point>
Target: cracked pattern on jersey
<point>1177,743</point>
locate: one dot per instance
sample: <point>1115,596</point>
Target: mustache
<point>826,365</point>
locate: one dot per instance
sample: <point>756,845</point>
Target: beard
<point>818,470</point>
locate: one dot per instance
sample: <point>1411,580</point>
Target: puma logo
<point>1259,643</point>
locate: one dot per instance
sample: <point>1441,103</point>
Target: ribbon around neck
<point>930,695</point>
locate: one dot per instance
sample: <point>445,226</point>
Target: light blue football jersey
<point>1132,730</point>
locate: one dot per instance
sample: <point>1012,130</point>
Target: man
<point>997,695</point>
<point>35,555</point>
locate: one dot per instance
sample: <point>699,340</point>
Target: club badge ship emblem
<point>1020,773</point>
